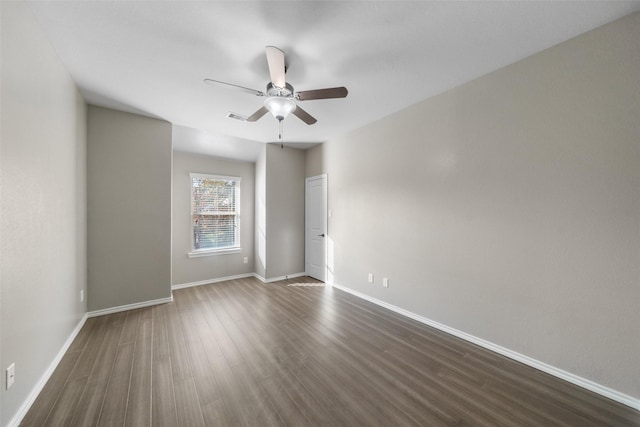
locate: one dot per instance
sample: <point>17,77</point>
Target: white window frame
<point>195,253</point>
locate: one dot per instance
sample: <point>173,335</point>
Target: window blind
<point>215,211</point>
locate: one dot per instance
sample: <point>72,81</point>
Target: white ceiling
<point>150,57</point>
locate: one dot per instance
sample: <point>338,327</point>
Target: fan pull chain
<point>280,129</point>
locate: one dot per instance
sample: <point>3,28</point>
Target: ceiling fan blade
<point>257,115</point>
<point>247,89</point>
<point>275,60</point>
<point>332,92</point>
<point>304,116</point>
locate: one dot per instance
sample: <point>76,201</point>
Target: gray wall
<point>43,205</point>
<point>279,236</point>
<point>189,270</point>
<point>313,162</point>
<point>508,208</point>
<point>285,173</point>
<point>260,264</point>
<point>129,208</point>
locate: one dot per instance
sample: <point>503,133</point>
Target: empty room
<point>319,213</point>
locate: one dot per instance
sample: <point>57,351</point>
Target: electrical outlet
<point>385,282</point>
<point>246,260</point>
<point>81,295</point>
<point>10,376</point>
<point>370,278</point>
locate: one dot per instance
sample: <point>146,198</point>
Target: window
<point>215,214</point>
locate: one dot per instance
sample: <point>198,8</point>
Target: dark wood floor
<point>245,353</point>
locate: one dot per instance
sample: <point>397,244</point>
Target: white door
<point>316,227</point>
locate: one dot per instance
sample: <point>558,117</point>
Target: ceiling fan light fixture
<point>280,107</point>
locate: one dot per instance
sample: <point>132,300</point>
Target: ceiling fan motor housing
<point>285,92</point>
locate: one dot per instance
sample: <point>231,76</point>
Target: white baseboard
<point>549,369</point>
<point>238,276</point>
<point>206,282</point>
<point>259,277</point>
<point>26,405</point>
<point>279,278</point>
<point>127,307</point>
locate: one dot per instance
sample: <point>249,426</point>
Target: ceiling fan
<point>280,95</point>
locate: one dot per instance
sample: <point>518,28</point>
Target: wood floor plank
<point>208,338</point>
<point>62,413</point>
<point>49,395</point>
<point>288,411</point>
<point>139,401</point>
<point>130,327</point>
<point>233,396</point>
<point>203,377</point>
<point>163,401</point>
<point>81,340</point>
<point>322,396</point>
<point>249,391</point>
<point>177,348</point>
<point>107,351</point>
<point>288,384</point>
<point>160,338</point>
<point>114,408</point>
<point>90,404</point>
<point>187,404</point>
<point>217,414</point>
<point>224,340</point>
<point>244,353</point>
<point>98,326</point>
<point>346,401</point>
<point>97,363</point>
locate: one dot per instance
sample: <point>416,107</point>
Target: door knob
<point>321,235</point>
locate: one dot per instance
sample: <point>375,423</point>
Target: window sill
<point>212,252</point>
